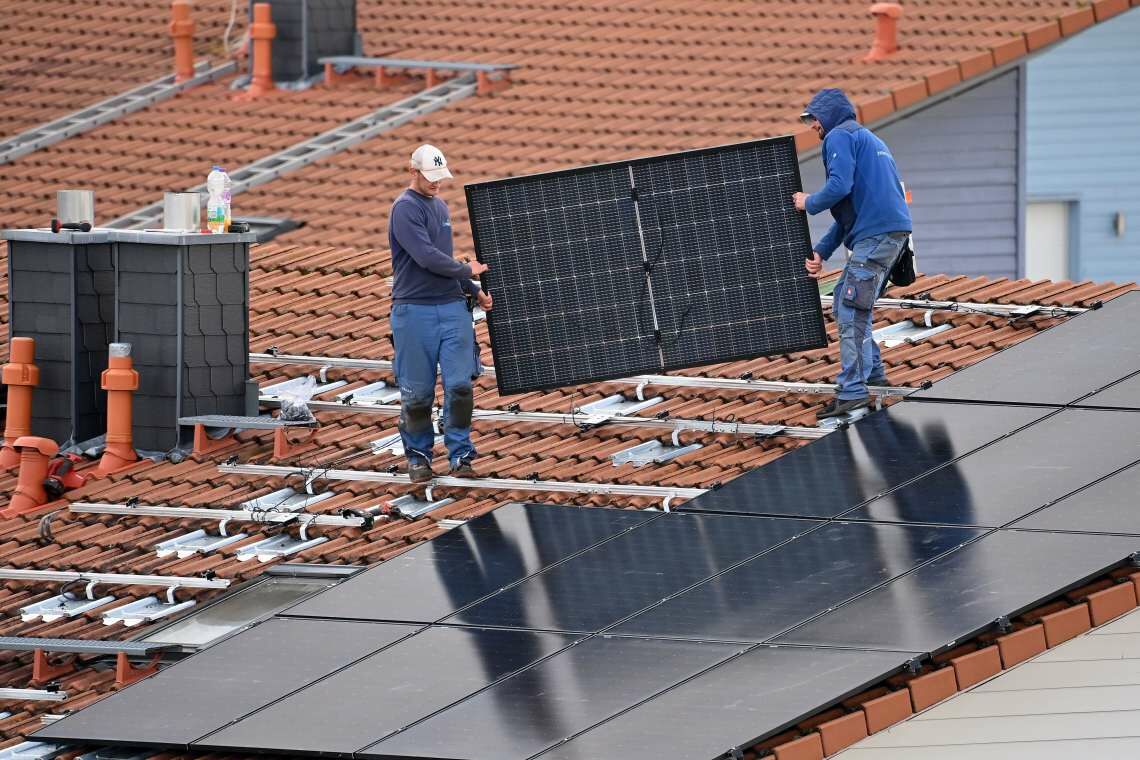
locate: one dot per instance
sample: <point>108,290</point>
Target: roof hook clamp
<point>90,590</point>
<point>641,391</point>
<point>170,595</point>
<point>324,374</point>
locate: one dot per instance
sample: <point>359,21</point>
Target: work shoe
<point>419,471</point>
<point>837,408</point>
<point>462,469</point>
<point>879,381</point>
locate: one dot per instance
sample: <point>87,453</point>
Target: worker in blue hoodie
<point>866,198</point>
<point>431,324</point>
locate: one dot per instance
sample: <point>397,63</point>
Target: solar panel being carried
<point>646,265</point>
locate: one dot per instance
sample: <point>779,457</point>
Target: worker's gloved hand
<point>800,201</point>
<point>814,265</point>
<point>485,300</point>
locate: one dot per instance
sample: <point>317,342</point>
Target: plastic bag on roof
<point>295,400</point>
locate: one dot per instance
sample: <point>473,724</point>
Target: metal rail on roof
<point>312,474</point>
<point>241,515</point>
<point>86,119</point>
<point>32,695</point>
<point>323,145</point>
<point>969,307</point>
<point>582,419</point>
<point>113,579</point>
<point>675,381</point>
<point>349,61</point>
<point>80,646</point>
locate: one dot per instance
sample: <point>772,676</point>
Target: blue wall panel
<point>1083,104</point>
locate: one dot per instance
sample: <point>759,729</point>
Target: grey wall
<point>959,158</point>
<point>1083,106</point>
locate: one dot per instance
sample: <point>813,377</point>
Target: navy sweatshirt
<point>424,269</point>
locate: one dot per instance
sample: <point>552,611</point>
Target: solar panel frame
<point>635,334</point>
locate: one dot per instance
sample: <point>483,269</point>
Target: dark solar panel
<point>646,265</point>
<point>387,691</point>
<point>653,562</point>
<point>794,582</point>
<point>1016,475</point>
<point>958,595</point>
<point>1122,395</point>
<point>858,463</point>
<point>732,705</point>
<point>470,562</point>
<point>1108,506</point>
<point>540,707</point>
<point>1063,365</point>
<point>218,685</point>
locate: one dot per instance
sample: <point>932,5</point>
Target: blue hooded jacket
<point>863,189</point>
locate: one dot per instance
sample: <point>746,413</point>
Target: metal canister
<point>181,211</point>
<point>73,206</point>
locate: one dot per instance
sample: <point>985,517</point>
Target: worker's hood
<point>831,107</point>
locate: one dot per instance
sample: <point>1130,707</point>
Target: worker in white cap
<point>431,320</point>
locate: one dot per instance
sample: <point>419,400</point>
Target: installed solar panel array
<point>647,265</point>
<point>567,633</point>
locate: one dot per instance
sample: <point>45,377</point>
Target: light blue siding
<point>1083,104</point>
<point>959,158</point>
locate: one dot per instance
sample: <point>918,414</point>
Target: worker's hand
<point>485,300</point>
<point>477,268</point>
<point>800,199</point>
<point>814,266</point>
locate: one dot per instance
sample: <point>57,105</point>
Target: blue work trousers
<point>427,336</point>
<point>863,281</point>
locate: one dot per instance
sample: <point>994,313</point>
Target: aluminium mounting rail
<point>969,307</point>
<point>112,579</point>
<point>86,119</point>
<point>311,474</point>
<point>32,695</point>
<point>675,381</point>
<point>323,145</point>
<point>558,418</point>
<point>241,515</point>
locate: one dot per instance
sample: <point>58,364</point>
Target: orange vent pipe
<point>262,31</point>
<point>119,380</point>
<point>21,375</point>
<point>886,30</point>
<point>182,30</point>
<point>35,456</point>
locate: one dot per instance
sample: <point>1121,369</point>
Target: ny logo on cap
<point>439,160</point>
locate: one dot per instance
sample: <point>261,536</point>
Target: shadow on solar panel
<point>646,265</point>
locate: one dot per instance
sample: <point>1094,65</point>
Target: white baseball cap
<point>429,161</point>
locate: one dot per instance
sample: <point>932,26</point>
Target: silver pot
<point>181,211</point>
<point>74,206</point>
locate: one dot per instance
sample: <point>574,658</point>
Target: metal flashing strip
<point>326,144</point>
<point>117,579</point>
<point>494,484</point>
<point>199,513</point>
<point>107,110</point>
<point>583,420</point>
<point>674,381</point>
